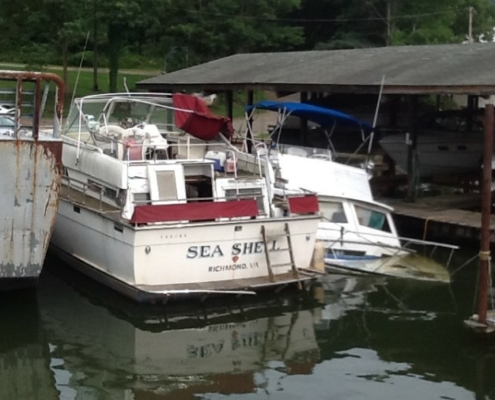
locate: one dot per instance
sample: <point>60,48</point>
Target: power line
<point>397,17</point>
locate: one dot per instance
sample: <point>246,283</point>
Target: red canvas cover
<point>200,211</point>
<point>200,123</point>
<point>303,204</point>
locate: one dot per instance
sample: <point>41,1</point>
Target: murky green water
<point>348,338</point>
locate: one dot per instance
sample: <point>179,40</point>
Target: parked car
<point>5,109</point>
<point>6,125</point>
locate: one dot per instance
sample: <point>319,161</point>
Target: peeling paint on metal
<point>31,168</point>
<point>26,222</point>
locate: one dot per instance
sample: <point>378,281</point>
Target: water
<point>346,338</point>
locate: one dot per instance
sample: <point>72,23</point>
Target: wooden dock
<point>446,217</point>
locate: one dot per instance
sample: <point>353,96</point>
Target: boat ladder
<point>268,236</point>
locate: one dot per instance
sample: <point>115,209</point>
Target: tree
<point>205,30</point>
<point>402,22</point>
<point>121,16</point>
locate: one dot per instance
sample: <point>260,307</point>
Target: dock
<point>442,216</point>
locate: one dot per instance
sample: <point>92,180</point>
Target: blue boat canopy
<point>321,115</point>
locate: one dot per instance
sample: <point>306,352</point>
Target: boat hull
<point>160,261</point>
<point>437,154</point>
<point>29,199</point>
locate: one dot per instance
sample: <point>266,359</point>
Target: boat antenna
<point>80,67</point>
<point>375,119</point>
<point>125,86</point>
<point>74,95</point>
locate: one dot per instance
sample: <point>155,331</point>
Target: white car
<point>4,109</point>
<point>7,125</point>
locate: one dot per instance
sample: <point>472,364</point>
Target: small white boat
<point>357,232</point>
<point>30,161</point>
<point>155,213</point>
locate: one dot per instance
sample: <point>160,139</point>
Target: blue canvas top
<point>321,115</point>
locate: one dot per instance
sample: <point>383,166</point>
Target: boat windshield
<point>125,111</point>
<point>372,219</point>
<point>333,211</point>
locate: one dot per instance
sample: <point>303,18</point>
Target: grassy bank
<point>85,81</point>
<point>84,87</point>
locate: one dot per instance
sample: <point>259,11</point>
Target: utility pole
<point>95,46</point>
<point>470,27</point>
<point>389,12</point>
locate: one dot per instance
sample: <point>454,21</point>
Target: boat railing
<point>236,205</point>
<point>26,92</point>
<point>82,187</point>
<point>141,146</point>
<point>405,242</point>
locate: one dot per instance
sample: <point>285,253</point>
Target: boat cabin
<point>125,150</point>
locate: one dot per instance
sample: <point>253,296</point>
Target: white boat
<point>357,232</point>
<point>448,143</point>
<point>155,213</point>
<point>30,161</point>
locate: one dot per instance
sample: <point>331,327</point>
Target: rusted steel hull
<point>30,174</point>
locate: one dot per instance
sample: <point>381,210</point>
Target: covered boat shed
<point>464,69</point>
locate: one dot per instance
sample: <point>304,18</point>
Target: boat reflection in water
<point>108,344</point>
<point>24,354</point>
<point>361,338</point>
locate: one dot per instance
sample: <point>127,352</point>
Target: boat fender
<point>120,199</point>
<point>318,259</point>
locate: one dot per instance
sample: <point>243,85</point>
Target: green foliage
<point>173,34</point>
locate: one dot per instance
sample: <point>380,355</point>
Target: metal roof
<point>449,69</point>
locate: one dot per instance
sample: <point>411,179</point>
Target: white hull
<point>355,242</point>
<point>161,260</point>
<point>437,154</point>
<point>29,197</point>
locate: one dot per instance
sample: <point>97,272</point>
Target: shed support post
<point>303,133</point>
<point>412,144</point>
<point>486,200</point>
<point>471,106</point>
<point>229,103</point>
<point>249,137</point>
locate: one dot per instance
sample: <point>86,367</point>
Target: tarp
<point>303,204</point>
<point>200,211</point>
<point>193,116</point>
<point>321,115</point>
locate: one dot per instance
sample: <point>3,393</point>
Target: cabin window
<point>167,187</point>
<point>372,219</point>
<point>246,193</point>
<point>333,211</point>
<point>142,198</point>
<point>198,187</point>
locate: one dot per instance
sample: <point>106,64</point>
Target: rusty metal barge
<point>30,166</point>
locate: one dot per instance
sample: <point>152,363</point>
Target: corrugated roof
<point>455,68</point>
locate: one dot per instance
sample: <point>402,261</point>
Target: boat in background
<point>30,161</point>
<point>357,232</point>
<point>448,142</point>
<point>156,213</point>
